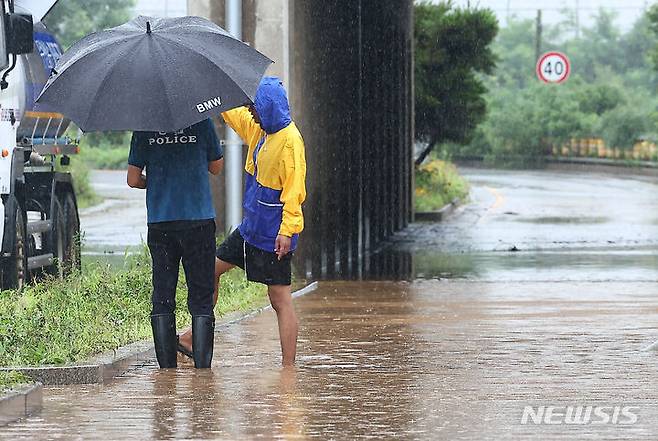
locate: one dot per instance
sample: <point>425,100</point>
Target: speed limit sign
<point>553,67</point>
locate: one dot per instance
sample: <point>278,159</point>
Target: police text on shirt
<point>172,138</point>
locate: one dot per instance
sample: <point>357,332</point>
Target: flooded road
<point>542,225</point>
<point>555,332</point>
<point>428,360</point>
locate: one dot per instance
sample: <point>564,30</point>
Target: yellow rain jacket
<point>275,168</point>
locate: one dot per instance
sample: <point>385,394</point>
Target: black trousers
<point>192,242</point>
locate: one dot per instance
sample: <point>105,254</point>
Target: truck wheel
<point>58,237</point>
<point>16,268</point>
<point>71,235</point>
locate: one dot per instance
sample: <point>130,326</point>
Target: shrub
<point>622,126</point>
<point>437,184</point>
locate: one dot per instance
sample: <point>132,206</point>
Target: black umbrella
<point>153,74</point>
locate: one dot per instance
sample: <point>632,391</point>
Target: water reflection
<point>164,404</point>
<point>208,404</point>
<point>511,265</point>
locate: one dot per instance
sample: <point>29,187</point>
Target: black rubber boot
<point>203,339</point>
<point>164,337</point>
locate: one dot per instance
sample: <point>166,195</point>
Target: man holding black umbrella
<point>181,226</point>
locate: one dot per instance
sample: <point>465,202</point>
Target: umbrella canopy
<point>153,74</point>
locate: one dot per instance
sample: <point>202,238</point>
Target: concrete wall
<point>349,69</point>
<point>352,84</point>
<point>272,35</point>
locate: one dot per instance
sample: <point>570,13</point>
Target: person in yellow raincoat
<point>275,189</point>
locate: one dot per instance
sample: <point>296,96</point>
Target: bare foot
<point>185,339</point>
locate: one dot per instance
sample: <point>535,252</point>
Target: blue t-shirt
<point>177,184</point>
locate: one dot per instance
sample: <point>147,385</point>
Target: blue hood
<point>272,105</point>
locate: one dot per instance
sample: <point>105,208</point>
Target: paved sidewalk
<point>426,360</point>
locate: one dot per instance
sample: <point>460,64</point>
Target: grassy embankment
<point>12,380</point>
<point>62,321</point>
<point>437,183</point>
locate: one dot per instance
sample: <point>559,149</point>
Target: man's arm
<point>240,120</point>
<point>215,167</point>
<point>136,179</point>
<point>214,152</point>
<point>137,159</point>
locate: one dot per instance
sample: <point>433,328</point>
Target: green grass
<point>12,380</point>
<point>437,184</point>
<point>62,321</point>
<point>107,157</point>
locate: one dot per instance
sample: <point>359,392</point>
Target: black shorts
<point>260,266</point>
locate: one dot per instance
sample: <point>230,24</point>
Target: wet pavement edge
<point>21,403</point>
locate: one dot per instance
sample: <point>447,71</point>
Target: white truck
<point>40,231</point>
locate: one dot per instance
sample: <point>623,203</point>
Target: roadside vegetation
<point>438,183</point>
<point>453,54</point>
<point>609,99</point>
<point>84,192</point>
<point>105,151</point>
<point>12,380</point>
<point>111,158</point>
<point>62,321</point>
<point>71,20</point>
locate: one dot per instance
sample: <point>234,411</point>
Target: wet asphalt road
<point>560,323</point>
<point>559,226</point>
<point>116,225</point>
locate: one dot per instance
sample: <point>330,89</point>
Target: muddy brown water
<point>557,326</point>
<point>428,360</point>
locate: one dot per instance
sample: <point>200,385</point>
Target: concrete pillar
<point>200,8</point>
<point>272,35</point>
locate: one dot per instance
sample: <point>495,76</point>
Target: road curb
<point>439,215</point>
<point>21,403</point>
<point>104,367</point>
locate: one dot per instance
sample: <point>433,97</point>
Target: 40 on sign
<point>553,67</point>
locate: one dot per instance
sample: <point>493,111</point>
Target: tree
<point>524,124</point>
<point>515,51</point>
<point>452,49</point>
<point>599,98</point>
<point>600,46</point>
<point>70,20</point>
<point>624,126</point>
<point>652,14</point>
